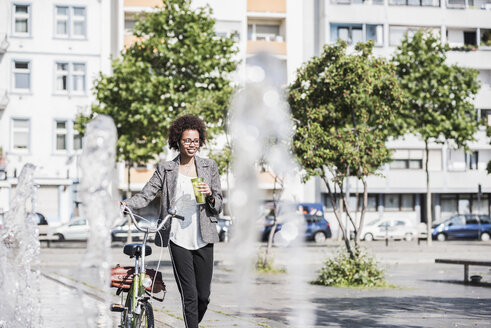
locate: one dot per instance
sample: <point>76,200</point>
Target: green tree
<point>345,107</point>
<point>178,65</point>
<point>440,106</point>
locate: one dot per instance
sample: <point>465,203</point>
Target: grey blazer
<point>165,180</point>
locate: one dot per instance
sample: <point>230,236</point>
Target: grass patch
<point>267,267</point>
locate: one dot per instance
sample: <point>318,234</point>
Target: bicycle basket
<point>122,277</point>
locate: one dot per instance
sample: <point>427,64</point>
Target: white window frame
<point>28,16</point>
<point>71,75</point>
<point>57,131</point>
<point>21,71</point>
<point>65,18</point>
<point>70,134</point>
<point>13,129</point>
<point>74,19</point>
<point>70,19</point>
<point>350,26</point>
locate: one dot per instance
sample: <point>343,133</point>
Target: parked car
<point>389,228</point>
<point>75,229</point>
<point>224,227</point>
<point>317,230</point>
<point>120,231</point>
<point>42,223</point>
<point>463,226</point>
<point>2,215</point>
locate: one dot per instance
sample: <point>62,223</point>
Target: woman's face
<point>189,143</point>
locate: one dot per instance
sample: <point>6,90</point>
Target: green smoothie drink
<point>200,197</point>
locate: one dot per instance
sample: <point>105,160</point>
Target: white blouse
<point>186,233</point>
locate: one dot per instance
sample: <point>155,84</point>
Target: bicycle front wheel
<point>145,319</point>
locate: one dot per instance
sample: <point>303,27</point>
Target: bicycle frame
<point>136,298</point>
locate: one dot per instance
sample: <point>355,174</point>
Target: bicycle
<point>136,309</point>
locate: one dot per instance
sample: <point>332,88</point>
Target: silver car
<point>389,228</point>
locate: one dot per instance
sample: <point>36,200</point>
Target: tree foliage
<point>440,97</point>
<point>177,65</point>
<point>345,106</point>
<point>440,105</point>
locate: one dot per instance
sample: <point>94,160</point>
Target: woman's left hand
<point>205,189</point>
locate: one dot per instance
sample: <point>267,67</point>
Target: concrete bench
<point>465,263</point>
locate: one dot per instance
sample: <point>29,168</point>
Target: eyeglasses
<point>187,142</point>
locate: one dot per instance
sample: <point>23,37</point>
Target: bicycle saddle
<point>136,250</point>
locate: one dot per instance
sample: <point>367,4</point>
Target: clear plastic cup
<point>200,197</point>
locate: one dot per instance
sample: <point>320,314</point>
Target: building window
<point>407,202</point>
<point>61,29</point>
<point>78,78</point>
<point>70,77</point>
<point>354,33</point>
<point>77,140</point>
<point>20,135</point>
<point>423,3</point>
<point>78,22</point>
<point>472,160</point>
<point>66,137</point>
<point>264,32</point>
<point>22,19</point>
<point>399,202</point>
<point>391,202</point>
<point>485,37</point>
<point>61,136</point>
<point>70,22</point>
<point>61,76</point>
<point>407,159</point>
<point>22,75</point>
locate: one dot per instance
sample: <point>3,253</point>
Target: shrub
<point>343,271</point>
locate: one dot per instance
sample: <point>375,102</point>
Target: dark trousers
<point>193,270</point>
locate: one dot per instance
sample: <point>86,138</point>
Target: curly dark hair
<point>186,122</point>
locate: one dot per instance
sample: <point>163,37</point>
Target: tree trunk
<point>429,219</point>
<point>129,239</point>
<point>276,198</point>
<point>338,217</point>
<point>363,211</point>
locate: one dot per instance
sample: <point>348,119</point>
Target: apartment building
<point>50,54</point>
<point>455,174</point>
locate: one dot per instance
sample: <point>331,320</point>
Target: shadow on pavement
<point>462,283</point>
<point>376,311</point>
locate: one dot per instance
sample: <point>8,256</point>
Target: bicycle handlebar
<point>172,214</point>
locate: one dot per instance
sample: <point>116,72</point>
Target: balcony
<point>272,6</point>
<point>469,4</point>
<point>143,3</point>
<point>273,47</point>
<point>357,2</point>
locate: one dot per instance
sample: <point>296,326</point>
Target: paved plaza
<point>425,294</point>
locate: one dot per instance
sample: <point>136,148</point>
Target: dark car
<point>317,229</point>
<point>224,227</point>
<point>463,226</point>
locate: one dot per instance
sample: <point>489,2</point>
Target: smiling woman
<point>190,240</point>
